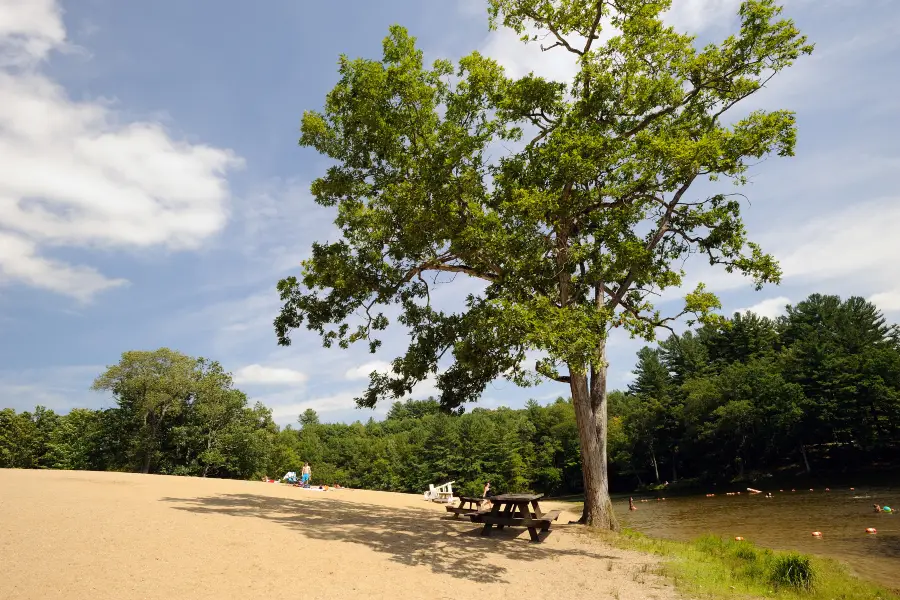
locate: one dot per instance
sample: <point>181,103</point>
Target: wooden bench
<point>462,509</point>
<point>516,510</point>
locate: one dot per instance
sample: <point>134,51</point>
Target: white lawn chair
<point>441,493</point>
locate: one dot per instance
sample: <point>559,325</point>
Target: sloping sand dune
<point>86,535</point>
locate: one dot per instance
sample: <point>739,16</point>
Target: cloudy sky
<point>152,191</point>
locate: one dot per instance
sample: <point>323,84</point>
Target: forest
<point>815,390</point>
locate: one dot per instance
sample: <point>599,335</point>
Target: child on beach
<point>306,474</point>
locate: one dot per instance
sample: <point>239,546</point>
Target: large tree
<point>149,388</point>
<point>569,234</point>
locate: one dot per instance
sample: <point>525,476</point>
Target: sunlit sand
<point>86,535</point>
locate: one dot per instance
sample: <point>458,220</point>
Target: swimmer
<point>631,505</point>
<point>877,508</point>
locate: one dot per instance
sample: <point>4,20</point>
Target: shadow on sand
<point>411,536</point>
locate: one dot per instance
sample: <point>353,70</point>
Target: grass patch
<point>713,567</point>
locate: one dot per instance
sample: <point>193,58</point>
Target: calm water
<point>786,522</point>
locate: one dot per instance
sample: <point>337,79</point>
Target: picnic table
<point>467,505</point>
<point>516,510</point>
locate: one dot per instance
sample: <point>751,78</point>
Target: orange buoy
<point>739,539</point>
<point>817,534</point>
<point>871,530</point>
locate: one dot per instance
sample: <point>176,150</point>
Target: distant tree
<point>75,442</point>
<point>847,360</point>
<point>309,418</point>
<point>413,409</point>
<point>149,387</point>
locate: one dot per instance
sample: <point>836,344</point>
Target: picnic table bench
<point>515,510</point>
<point>467,505</point>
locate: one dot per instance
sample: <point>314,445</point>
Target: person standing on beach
<point>485,499</point>
<point>306,474</point>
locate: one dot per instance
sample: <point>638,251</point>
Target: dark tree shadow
<point>411,536</point>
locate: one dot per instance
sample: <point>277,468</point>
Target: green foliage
<point>570,234</point>
<point>751,394</point>
<point>712,567</point>
<point>792,570</point>
<point>174,414</point>
<point>726,401</point>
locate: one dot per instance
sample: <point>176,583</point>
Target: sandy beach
<point>87,535</point>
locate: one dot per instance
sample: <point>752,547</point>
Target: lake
<point>786,522</point>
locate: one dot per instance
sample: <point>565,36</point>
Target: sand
<point>87,535</point>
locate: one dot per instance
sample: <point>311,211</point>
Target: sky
<point>152,191</point>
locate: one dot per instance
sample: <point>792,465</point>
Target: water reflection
<point>786,522</point>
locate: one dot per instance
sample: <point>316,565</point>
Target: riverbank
<point>78,535</point>
<point>714,567</point>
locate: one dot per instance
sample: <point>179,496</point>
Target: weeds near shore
<point>713,567</point>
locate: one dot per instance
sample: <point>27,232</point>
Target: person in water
<point>877,508</point>
<point>631,505</point>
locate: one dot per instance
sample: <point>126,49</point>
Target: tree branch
<point>561,40</point>
<point>654,241</point>
<point>593,33</point>
<point>542,369</point>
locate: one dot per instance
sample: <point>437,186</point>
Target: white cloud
<point>259,374</point>
<point>887,301</point>
<point>700,15</point>
<point>519,59</point>
<point>276,224</point>
<point>29,30</point>
<point>282,413</point>
<point>75,174</point>
<point>859,241</point>
<point>20,262</point>
<point>363,371</point>
<point>771,307</point>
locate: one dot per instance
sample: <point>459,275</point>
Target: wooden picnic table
<point>467,505</point>
<point>516,510</point>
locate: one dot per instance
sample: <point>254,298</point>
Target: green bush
<point>792,570</point>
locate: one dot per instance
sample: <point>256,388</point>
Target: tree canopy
<point>572,233</point>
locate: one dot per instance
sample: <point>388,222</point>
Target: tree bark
<point>654,463</point>
<point>598,510</point>
<point>805,460</point>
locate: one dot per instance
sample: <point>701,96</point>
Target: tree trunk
<point>148,456</point>
<point>674,466</point>
<point>805,460</point>
<point>655,465</point>
<point>592,423</point>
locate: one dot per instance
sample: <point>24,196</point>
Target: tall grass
<point>712,567</point>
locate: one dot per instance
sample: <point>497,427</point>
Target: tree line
<point>821,383</point>
<point>818,388</point>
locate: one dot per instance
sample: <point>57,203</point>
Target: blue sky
<point>152,191</point>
